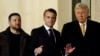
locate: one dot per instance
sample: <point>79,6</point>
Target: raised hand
<point>69,49</point>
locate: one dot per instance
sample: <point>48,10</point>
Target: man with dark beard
<point>14,41</point>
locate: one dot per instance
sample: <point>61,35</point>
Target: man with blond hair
<point>81,37</point>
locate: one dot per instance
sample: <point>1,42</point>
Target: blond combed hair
<point>82,6</point>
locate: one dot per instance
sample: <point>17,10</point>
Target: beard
<point>16,28</point>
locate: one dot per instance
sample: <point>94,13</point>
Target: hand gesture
<point>69,49</point>
<point>38,50</point>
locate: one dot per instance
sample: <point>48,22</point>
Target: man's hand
<point>38,50</point>
<point>69,49</point>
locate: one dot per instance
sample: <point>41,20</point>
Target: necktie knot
<point>50,30</point>
<point>52,35</point>
<point>83,24</point>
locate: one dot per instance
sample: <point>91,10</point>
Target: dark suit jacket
<point>88,45</point>
<point>40,37</point>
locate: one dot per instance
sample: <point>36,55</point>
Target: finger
<point>41,46</point>
<point>35,52</point>
<point>73,48</point>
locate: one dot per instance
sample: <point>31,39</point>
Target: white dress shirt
<point>84,23</point>
<point>47,29</point>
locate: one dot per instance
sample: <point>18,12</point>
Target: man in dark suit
<point>81,37</point>
<point>45,38</point>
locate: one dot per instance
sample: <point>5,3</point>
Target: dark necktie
<point>52,36</point>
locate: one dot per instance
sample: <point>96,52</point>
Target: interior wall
<point>64,12</point>
<point>31,12</point>
<point>95,10</point>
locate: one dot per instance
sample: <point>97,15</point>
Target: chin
<point>17,28</point>
<point>49,26</point>
<point>81,21</point>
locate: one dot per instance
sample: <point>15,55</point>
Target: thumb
<point>41,46</point>
<point>73,48</point>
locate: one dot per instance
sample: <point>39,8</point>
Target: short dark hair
<point>13,14</point>
<point>50,10</point>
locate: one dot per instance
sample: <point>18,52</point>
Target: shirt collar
<point>84,23</point>
<point>46,27</point>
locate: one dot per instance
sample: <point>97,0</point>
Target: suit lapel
<point>88,27</point>
<point>78,29</point>
<point>55,35</point>
<point>44,32</point>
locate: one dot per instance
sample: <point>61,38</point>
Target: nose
<point>80,14</point>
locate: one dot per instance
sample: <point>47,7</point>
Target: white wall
<point>7,7</point>
<point>64,12</point>
<point>30,10</point>
<point>95,10</point>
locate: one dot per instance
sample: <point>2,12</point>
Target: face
<point>15,22</point>
<point>49,19</point>
<point>81,14</point>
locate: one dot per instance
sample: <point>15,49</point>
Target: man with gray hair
<point>81,37</point>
